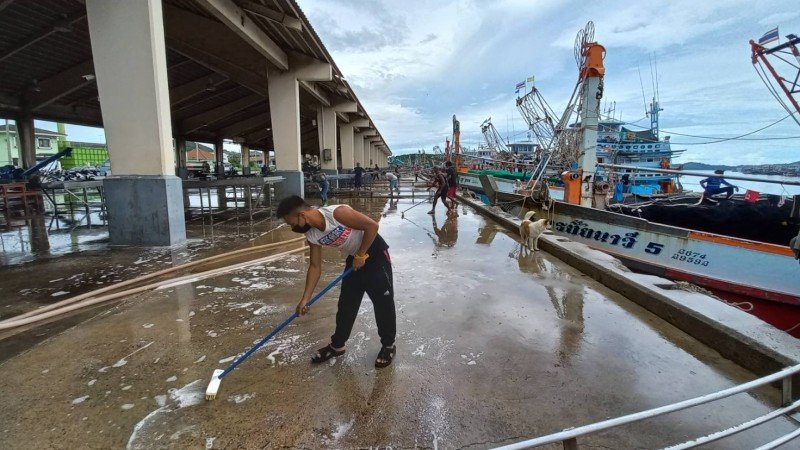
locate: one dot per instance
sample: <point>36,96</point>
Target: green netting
<point>84,156</point>
<point>508,175</point>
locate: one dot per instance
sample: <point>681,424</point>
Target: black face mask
<point>301,229</point>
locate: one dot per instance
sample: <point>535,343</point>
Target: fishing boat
<point>756,266</point>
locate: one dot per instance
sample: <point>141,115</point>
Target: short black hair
<point>719,171</point>
<point>289,205</point>
<point>448,164</point>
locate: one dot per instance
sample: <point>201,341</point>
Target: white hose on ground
<point>13,323</point>
<point>159,273</point>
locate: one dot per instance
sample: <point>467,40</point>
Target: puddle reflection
<point>566,296</point>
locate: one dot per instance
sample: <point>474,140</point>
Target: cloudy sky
<point>416,63</point>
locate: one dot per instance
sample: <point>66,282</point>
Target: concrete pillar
<point>347,139</point>
<point>180,150</point>
<point>358,149</point>
<point>27,141</point>
<point>326,124</point>
<point>219,169</point>
<point>284,106</point>
<point>144,198</point>
<point>245,159</point>
<point>219,156</point>
<point>181,171</point>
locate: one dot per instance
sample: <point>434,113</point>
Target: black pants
<point>374,278</point>
<point>728,190</point>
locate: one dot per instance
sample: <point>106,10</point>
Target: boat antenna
<point>652,75</point>
<point>655,64</point>
<point>641,83</point>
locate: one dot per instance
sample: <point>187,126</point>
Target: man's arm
<point>725,182</point>
<point>312,277</point>
<point>703,182</point>
<point>349,217</point>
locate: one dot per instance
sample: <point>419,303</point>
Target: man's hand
<point>302,309</point>
<point>359,261</point>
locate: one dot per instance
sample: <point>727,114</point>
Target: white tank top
<point>336,235</point>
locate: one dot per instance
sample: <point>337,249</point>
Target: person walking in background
<point>358,179</point>
<point>376,173</point>
<point>440,183</point>
<point>452,186</point>
<point>324,185</point>
<point>394,182</point>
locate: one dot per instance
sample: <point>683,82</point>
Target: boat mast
<point>457,141</point>
<point>654,109</point>
<point>790,85</point>
<point>591,76</point>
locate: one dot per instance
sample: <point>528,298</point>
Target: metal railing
<point>696,174</point>
<point>569,437</point>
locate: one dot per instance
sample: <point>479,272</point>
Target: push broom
<point>219,374</point>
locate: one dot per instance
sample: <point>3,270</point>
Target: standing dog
<point>530,230</point>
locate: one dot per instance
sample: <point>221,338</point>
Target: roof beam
<point>64,83</point>
<point>198,121</point>
<point>249,124</point>
<point>217,48</point>
<point>315,92</point>
<point>188,90</point>
<point>270,14</point>
<point>255,136</point>
<point>236,19</point>
<point>346,106</point>
<point>343,117</point>
<point>62,25</point>
<point>359,123</point>
<point>213,62</point>
<point>306,68</point>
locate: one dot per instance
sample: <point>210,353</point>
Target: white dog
<point>530,230</point>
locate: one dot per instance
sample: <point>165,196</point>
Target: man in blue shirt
<point>713,186</point>
<point>358,179</point>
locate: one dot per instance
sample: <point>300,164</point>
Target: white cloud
<point>415,64</point>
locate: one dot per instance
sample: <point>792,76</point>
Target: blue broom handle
<point>260,343</point>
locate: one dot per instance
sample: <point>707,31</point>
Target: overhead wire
<point>741,137</point>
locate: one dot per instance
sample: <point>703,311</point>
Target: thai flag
<point>520,85</point>
<point>769,36</point>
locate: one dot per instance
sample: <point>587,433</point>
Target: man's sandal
<point>385,356</point>
<point>326,353</point>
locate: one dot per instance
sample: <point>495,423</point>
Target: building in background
<point>46,144</point>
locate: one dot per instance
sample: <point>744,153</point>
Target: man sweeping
<point>356,236</point>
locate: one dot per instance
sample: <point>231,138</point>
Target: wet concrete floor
<point>494,345</point>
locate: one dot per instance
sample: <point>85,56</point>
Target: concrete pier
<point>145,199</point>
<point>495,344</point>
